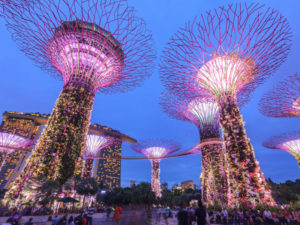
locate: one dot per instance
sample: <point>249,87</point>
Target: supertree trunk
<point>155,179</point>
<point>62,143</point>
<point>88,167</point>
<point>214,172</point>
<point>247,185</point>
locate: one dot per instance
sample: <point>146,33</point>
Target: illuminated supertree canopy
<point>10,143</point>
<point>289,142</point>
<point>203,111</point>
<point>229,50</point>
<point>155,150</point>
<point>95,45</point>
<point>94,143</point>
<point>283,100</point>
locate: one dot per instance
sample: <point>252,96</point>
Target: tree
<point>86,186</point>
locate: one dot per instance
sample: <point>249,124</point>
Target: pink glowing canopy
<point>98,44</point>
<point>11,142</point>
<point>226,51</point>
<point>289,142</point>
<point>201,110</point>
<point>95,143</point>
<point>156,148</point>
<point>283,100</point>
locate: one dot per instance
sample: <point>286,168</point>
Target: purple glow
<point>155,149</point>
<point>95,143</point>
<point>289,142</point>
<point>100,44</point>
<point>10,142</point>
<point>283,100</point>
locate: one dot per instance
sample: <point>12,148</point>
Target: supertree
<point>10,143</point>
<point>94,144</point>
<point>289,142</point>
<point>155,150</point>
<point>203,111</point>
<point>226,51</point>
<point>95,45</point>
<point>283,100</point>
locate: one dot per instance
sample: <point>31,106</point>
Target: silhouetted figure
<point>200,214</point>
<point>182,216</point>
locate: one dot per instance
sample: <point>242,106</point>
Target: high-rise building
<point>27,125</point>
<point>107,169</point>
<point>189,184</point>
<point>132,183</point>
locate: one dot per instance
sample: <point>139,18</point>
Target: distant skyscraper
<point>189,184</point>
<point>108,171</point>
<point>27,125</point>
<point>132,183</point>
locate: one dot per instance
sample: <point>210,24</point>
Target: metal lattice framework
<point>289,142</point>
<point>95,45</point>
<point>230,49</point>
<point>283,100</point>
<point>155,149</point>
<point>114,46</point>
<point>94,144</point>
<point>10,143</point>
<point>223,53</point>
<point>203,111</point>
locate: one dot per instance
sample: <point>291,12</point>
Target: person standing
<point>55,220</point>
<point>182,216</point>
<point>89,217</point>
<point>200,214</point>
<point>49,221</point>
<point>117,215</point>
<point>71,221</point>
<point>29,222</point>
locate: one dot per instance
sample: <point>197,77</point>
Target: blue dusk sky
<point>26,88</point>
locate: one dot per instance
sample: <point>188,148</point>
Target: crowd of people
<point>199,215</point>
<point>85,218</point>
<point>185,216</point>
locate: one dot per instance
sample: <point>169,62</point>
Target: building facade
<point>107,170</point>
<point>27,125</point>
<point>189,184</point>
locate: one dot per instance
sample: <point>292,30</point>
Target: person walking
<point>117,215</point>
<point>200,214</point>
<point>89,216</point>
<point>166,214</point>
<point>108,212</point>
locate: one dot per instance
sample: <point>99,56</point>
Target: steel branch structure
<point>10,143</point>
<point>95,45</point>
<point>283,100</point>
<point>156,149</point>
<point>229,50</point>
<point>94,144</point>
<point>289,142</point>
<point>204,113</point>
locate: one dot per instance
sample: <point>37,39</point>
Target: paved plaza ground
<point>132,217</point>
